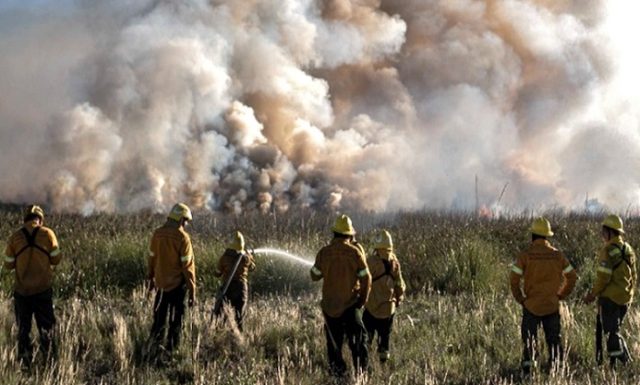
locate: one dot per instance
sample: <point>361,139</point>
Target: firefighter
<point>172,273</point>
<point>234,267</point>
<point>548,278</point>
<point>614,288</point>
<point>387,291</point>
<point>346,279</point>
<point>32,252</point>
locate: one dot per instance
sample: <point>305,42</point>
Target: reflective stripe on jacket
<point>616,272</point>
<point>32,266</point>
<point>548,277</point>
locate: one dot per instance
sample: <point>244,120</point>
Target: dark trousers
<point>529,330</point>
<point>383,327</point>
<point>349,324</point>
<point>237,296</point>
<point>611,317</point>
<point>41,306</point>
<point>168,303</point>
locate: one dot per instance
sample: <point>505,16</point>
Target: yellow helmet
<point>180,211</point>
<point>236,242</point>
<point>614,222</point>
<point>383,240</point>
<point>343,225</point>
<point>542,227</point>
<point>34,210</point>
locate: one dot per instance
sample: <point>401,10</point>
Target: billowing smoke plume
<point>275,104</point>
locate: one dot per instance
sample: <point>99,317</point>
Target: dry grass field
<point>459,324</point>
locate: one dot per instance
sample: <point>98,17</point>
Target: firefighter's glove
<point>589,298</point>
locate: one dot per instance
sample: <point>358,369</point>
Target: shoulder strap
<point>623,256</point>
<point>387,270</point>
<point>31,242</point>
<point>27,236</point>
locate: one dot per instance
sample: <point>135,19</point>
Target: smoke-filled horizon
<point>378,105</point>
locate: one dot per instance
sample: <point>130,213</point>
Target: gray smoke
<point>342,104</point>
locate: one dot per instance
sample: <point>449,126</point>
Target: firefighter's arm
<point>315,273</point>
<point>364,277</point>
<point>251,260</point>
<point>151,262</point>
<point>603,273</point>
<point>188,268</point>
<point>570,278</point>
<point>223,266</point>
<point>54,250</point>
<point>316,270</point>
<point>517,271</point>
<point>9,257</point>
<point>359,246</point>
<point>399,287</point>
<point>217,272</point>
<point>190,278</point>
<point>151,265</point>
<point>632,257</point>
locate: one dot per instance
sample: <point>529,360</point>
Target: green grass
<point>458,325</point>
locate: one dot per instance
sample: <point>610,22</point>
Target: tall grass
<point>458,325</point>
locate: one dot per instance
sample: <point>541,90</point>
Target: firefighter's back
<point>166,245</point>
<point>338,263</point>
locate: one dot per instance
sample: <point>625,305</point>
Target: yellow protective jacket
<point>548,278</point>
<point>32,258</point>
<point>171,261</point>
<point>228,261</point>
<point>387,284</point>
<point>616,273</point>
<point>346,278</point>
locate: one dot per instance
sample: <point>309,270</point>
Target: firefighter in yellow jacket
<point>346,279</point>
<point>234,267</point>
<point>614,288</point>
<point>548,278</point>
<point>387,291</point>
<point>172,272</point>
<point>32,252</point>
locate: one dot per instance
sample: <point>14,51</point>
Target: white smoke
<point>271,104</point>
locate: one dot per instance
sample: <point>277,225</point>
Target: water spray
<point>282,253</point>
<point>264,250</point>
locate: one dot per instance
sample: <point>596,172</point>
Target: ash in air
<point>277,104</point>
